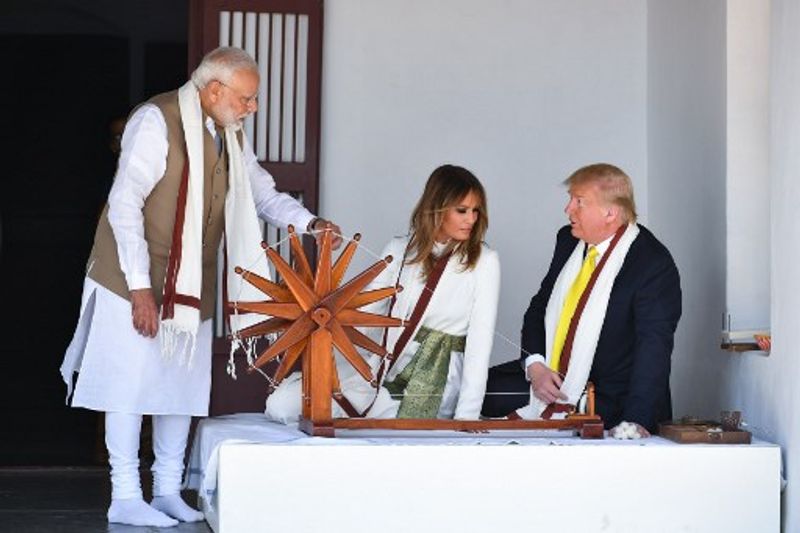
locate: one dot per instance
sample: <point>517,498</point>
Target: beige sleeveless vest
<point>159,216</point>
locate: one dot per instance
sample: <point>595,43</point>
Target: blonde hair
<point>445,188</point>
<point>615,186</point>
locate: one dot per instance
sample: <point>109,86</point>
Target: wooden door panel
<point>285,39</point>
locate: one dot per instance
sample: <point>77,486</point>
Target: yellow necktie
<point>570,303</point>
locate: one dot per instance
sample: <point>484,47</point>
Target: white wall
<point>520,92</point>
<point>748,164</point>
<point>686,171</point>
<point>765,388</point>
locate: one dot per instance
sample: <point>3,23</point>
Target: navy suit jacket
<point>631,365</point>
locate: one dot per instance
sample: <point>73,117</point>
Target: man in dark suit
<point>636,321</point>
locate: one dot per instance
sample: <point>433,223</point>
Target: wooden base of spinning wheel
<point>592,430</point>
<point>586,426</point>
<point>316,428</point>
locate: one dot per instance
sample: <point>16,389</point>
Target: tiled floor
<point>67,500</point>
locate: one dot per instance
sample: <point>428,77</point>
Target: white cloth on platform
<point>464,304</point>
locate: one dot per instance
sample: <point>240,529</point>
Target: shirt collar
<point>211,127</point>
<point>601,248</point>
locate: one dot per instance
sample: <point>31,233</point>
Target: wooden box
<point>702,431</point>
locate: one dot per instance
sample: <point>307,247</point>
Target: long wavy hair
<point>447,186</point>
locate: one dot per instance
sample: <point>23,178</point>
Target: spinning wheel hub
<point>321,316</point>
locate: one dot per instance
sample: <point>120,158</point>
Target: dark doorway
<point>64,91</point>
<point>72,67</point>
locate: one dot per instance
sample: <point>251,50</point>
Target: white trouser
<point>170,433</point>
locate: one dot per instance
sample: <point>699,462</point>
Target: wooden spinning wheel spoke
<point>359,339</point>
<point>348,350</point>
<point>298,331</point>
<point>290,311</point>
<point>344,260</point>
<point>339,298</point>
<point>300,260</point>
<point>270,288</point>
<point>292,354</point>
<point>267,327</point>
<point>350,317</point>
<point>322,281</point>
<point>369,297</point>
<point>302,293</point>
<point>336,384</point>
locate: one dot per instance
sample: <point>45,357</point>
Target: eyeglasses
<point>245,100</point>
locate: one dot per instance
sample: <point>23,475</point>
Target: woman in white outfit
<point>441,372</point>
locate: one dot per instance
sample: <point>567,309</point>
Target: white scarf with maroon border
<point>590,324</point>
<point>181,315</point>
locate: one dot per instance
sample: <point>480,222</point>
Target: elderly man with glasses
<point>186,177</point>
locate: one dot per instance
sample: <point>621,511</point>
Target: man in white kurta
<point>116,347</point>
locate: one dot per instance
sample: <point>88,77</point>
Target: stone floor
<point>68,500</point>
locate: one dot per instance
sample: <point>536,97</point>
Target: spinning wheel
<point>315,314</point>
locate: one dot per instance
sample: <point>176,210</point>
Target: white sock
<point>174,506</point>
<point>136,512</point>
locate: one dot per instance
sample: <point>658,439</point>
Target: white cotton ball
<point>626,430</point>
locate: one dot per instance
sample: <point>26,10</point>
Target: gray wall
<point>520,92</point>
<point>686,171</point>
<point>765,388</point>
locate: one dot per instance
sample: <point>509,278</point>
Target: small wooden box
<point>698,432</point>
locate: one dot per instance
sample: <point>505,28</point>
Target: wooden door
<point>285,39</point>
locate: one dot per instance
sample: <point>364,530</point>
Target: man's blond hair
<point>615,186</point>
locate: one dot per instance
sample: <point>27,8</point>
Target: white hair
<point>220,64</point>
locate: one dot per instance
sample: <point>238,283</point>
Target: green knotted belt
<point>420,385</point>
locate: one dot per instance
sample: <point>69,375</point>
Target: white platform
<point>485,483</point>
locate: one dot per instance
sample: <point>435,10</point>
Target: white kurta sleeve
<point>277,208</point>
<point>480,336</point>
<point>142,162</point>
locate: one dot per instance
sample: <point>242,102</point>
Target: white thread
<point>520,348</point>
